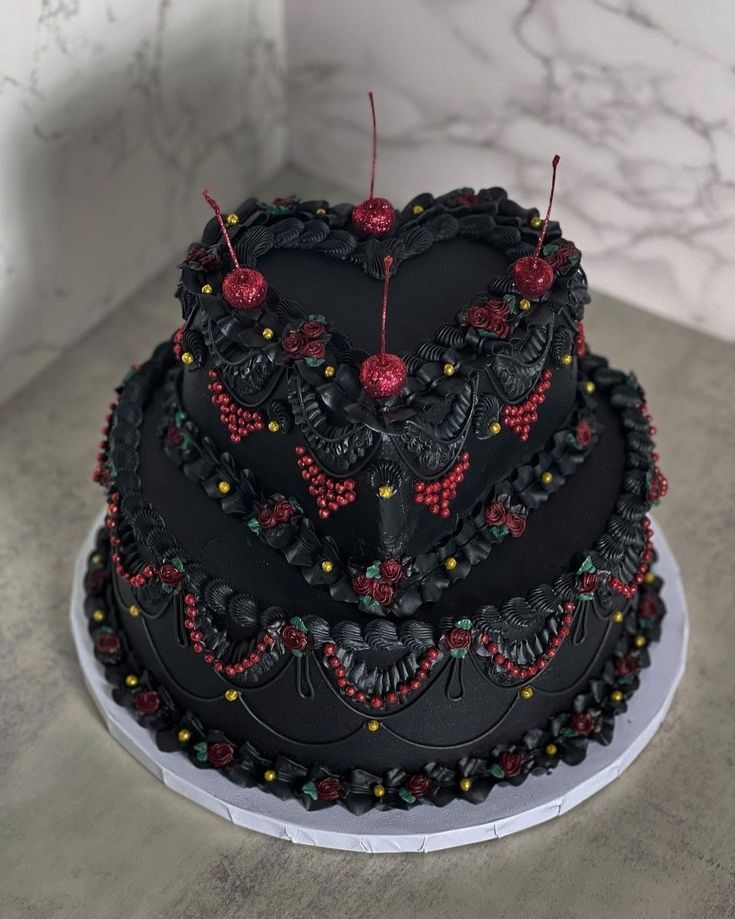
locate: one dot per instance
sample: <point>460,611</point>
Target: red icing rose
<point>266,518</point>
<point>626,666</point>
<point>382,592</point>
<point>647,608</point>
<point>108,644</point>
<point>583,433</point>
<point>313,349</point>
<point>294,639</point>
<point>491,316</point>
<point>458,639</point>
<point>293,342</point>
<point>283,511</point>
<point>467,199</point>
<point>418,784</point>
<point>511,764</point>
<point>220,754</point>
<point>495,514</point>
<point>97,579</point>
<point>312,329</point>
<point>587,583</point>
<point>328,789</point>
<point>362,585</point>
<point>391,570</point>
<point>583,723</point>
<point>174,436</point>
<point>147,702</point>
<point>203,258</point>
<point>170,575</point>
<point>477,316</point>
<point>516,524</point>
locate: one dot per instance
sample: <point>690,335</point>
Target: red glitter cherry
<point>383,375</point>
<point>374,216</point>
<point>532,276</point>
<point>243,288</point>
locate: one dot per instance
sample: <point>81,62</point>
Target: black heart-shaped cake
<point>376,530</point>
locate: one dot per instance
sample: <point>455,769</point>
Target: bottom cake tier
<point>441,706</point>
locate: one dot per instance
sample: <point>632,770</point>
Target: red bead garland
<point>331,494</point>
<point>111,521</point>
<point>520,672</point>
<point>192,626</point>
<point>519,418</point>
<point>239,421</point>
<point>334,665</point>
<point>101,474</point>
<point>630,589</point>
<point>437,495</point>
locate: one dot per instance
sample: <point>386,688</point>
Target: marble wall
<point>113,115</point>
<point>638,97</point>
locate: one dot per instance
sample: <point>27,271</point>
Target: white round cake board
<point>422,829</point>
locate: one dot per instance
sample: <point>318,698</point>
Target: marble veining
<point>114,116</point>
<point>638,97</point>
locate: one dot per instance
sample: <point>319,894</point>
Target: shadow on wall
<point>110,138</point>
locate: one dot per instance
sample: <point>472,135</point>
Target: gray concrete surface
<point>87,832</point>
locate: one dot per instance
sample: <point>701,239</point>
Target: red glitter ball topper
<point>532,275</point>
<point>383,375</point>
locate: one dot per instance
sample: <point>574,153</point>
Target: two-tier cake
<point>353,580</point>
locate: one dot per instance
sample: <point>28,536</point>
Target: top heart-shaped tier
<point>383,501</point>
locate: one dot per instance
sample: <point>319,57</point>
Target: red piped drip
<point>374,216</point>
<point>334,665</point>
<point>438,495</point>
<point>243,288</point>
<point>239,421</point>
<point>331,494</point>
<point>192,625</point>
<point>383,375</point>
<point>532,276</point>
<point>580,342</point>
<point>520,418</point>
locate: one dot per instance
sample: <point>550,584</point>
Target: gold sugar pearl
<point>131,680</point>
<point>525,304</point>
<point>274,427</point>
<point>566,360</point>
<point>184,736</point>
<point>267,334</point>
<point>618,616</point>
<point>327,566</point>
<point>649,577</point>
<point>385,492</point>
<point>232,695</point>
<point>379,791</point>
<point>640,641</point>
<point>589,387</point>
<point>494,427</point>
<point>97,559</point>
<point>224,488</point>
<point>320,212</point>
<point>232,219</point>
<point>373,725</point>
<point>98,615</point>
<point>207,289</point>
<point>465,784</point>
<point>417,209</point>
<point>536,223</point>
<point>270,775</point>
<point>134,610</point>
<point>450,563</point>
<point>187,358</point>
<point>449,370</point>
<point>547,478</point>
<point>551,749</point>
<point>329,371</point>
<point>526,692</point>
<point>616,696</point>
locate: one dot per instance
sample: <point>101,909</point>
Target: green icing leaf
<point>499,531</point>
<point>368,601</point>
<point>464,624</point>
<point>497,770</point>
<point>567,732</point>
<point>201,751</point>
<point>458,652</point>
<point>486,333</point>
<point>586,566</point>
<point>317,317</point>
<point>310,789</point>
<point>177,563</point>
<point>406,795</point>
<point>586,596</point>
<point>314,361</point>
<point>254,525</point>
<point>179,418</point>
<point>300,624</point>
<point>550,248</point>
<point>374,571</point>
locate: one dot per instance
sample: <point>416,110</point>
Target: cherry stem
<point>387,263</point>
<point>545,227</point>
<point>375,145</point>
<point>225,235</point>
